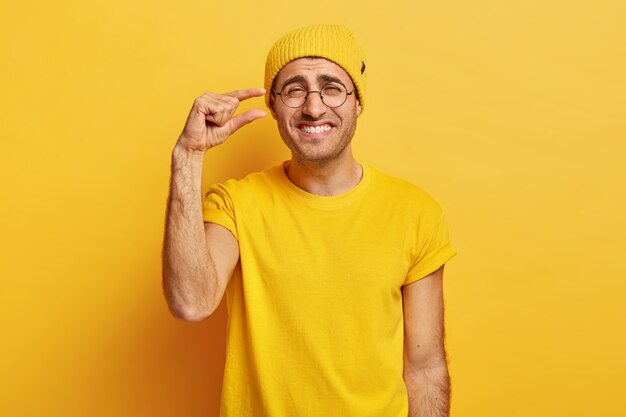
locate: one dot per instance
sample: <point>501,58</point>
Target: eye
<point>295,91</point>
<point>332,89</point>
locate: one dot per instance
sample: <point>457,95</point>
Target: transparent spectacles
<point>333,94</point>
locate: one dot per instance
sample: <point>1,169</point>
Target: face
<point>314,132</point>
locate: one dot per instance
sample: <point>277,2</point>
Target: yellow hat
<point>333,42</point>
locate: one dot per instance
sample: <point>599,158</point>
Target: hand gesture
<point>211,121</point>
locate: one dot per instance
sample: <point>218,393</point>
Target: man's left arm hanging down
<point>425,365</point>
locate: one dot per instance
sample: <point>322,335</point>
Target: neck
<point>326,178</point>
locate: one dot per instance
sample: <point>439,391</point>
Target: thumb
<point>243,119</point>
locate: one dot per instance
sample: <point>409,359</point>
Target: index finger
<point>246,94</point>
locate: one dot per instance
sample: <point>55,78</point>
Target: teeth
<point>316,129</point>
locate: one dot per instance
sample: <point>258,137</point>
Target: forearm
<point>189,278</point>
<point>429,391</point>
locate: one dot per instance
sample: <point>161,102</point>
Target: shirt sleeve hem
<point>443,255</point>
<point>221,218</point>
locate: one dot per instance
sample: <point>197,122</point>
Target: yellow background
<point>510,113</point>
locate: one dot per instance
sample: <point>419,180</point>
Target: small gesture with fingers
<point>211,119</point>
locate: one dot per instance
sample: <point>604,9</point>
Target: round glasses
<point>333,94</point>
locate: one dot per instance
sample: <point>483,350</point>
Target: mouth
<point>318,130</point>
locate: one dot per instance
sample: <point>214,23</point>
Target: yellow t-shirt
<point>315,319</point>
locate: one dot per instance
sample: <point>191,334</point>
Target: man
<point>332,270</point>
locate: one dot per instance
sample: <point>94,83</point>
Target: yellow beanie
<point>333,42</point>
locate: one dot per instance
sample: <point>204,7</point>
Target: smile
<point>316,129</point>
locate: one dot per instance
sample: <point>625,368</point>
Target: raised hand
<point>211,121</point>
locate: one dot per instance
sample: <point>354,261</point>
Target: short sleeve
<point>218,208</point>
<point>434,249</point>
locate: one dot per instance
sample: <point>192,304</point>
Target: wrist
<point>181,154</point>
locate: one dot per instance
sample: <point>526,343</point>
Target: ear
<point>271,105</point>
<point>358,107</point>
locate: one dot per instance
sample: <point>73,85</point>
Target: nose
<point>314,106</point>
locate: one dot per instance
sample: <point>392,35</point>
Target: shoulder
<point>251,185</point>
<point>403,193</point>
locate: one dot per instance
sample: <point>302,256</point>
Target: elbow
<point>434,364</point>
<point>190,313</point>
<point>417,375</point>
<point>185,309</point>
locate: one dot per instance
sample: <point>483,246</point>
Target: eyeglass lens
<point>332,95</point>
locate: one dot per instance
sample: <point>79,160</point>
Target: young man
<point>332,270</point>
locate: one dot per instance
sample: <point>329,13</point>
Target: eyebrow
<point>294,79</point>
<point>322,78</point>
<point>329,78</point>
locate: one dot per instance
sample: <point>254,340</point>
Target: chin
<point>322,157</point>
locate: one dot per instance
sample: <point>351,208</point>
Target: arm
<point>425,366</point>
<point>198,258</point>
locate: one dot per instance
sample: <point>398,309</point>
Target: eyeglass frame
<point>306,97</point>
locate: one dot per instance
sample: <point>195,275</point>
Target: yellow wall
<point>510,113</point>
